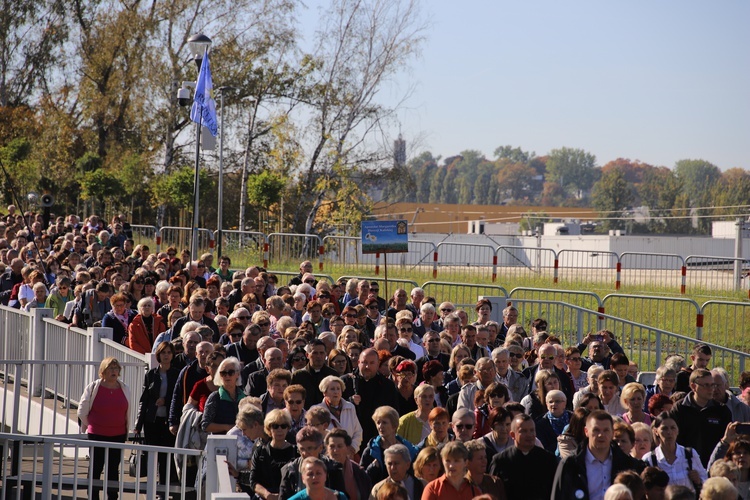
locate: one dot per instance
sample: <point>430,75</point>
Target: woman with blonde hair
<point>270,456</point>
<point>632,397</point>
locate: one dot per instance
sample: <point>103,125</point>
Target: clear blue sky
<point>655,81</point>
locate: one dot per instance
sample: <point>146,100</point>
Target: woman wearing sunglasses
<point>222,406</point>
<point>269,457</point>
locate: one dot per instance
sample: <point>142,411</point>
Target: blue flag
<point>204,107</point>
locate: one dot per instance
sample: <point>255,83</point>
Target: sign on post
<point>385,236</point>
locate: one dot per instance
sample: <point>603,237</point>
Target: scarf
<point>558,423</point>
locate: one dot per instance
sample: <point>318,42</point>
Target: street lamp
<point>198,44</point>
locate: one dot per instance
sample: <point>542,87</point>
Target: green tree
<point>660,190</point>
<point>264,189</point>
<point>611,197</point>
<point>731,190</point>
<point>437,185</point>
<point>101,185</point>
<point>573,169</point>
<point>515,155</point>
<point>515,180</point>
<point>698,178</point>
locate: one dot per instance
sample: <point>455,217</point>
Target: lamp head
<point>199,44</point>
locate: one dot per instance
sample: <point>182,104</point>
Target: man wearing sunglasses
<point>514,381</point>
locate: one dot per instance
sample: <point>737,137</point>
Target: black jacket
<point>571,477</point>
<point>566,383</point>
<point>700,428</point>
<point>525,476</point>
<point>7,281</point>
<point>151,388</point>
<point>189,376</point>
<point>376,392</point>
<point>310,380</point>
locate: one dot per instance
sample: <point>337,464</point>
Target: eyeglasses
<point>404,330</point>
<point>462,427</point>
<point>235,335</point>
<point>279,426</point>
<point>351,315</point>
<point>201,266</point>
<point>373,306</point>
<point>446,310</point>
<point>375,290</point>
<point>433,340</point>
<point>298,360</point>
<point>546,357</point>
<point>577,360</point>
<point>327,313</point>
<point>227,373</point>
<point>515,355</point>
<point>264,324</point>
<point>139,282</point>
<point>709,385</point>
<point>309,282</point>
<point>294,401</point>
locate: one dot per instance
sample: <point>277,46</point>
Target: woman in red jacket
<point>144,328</point>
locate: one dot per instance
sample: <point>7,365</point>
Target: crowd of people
<point>333,391</point>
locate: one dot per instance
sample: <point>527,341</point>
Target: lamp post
<point>198,45</point>
<point>220,209</point>
<point>245,164</point>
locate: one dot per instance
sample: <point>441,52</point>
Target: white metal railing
<point>647,345</point>
<point>52,410</point>
<point>63,341</point>
<point>17,327</point>
<point>57,464</point>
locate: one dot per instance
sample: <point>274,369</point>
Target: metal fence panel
<point>144,235</point>
<point>242,246</point>
<point>532,263</point>
<point>727,323</point>
<point>291,249</point>
<point>284,277</point>
<point>707,274</point>
<point>462,295</point>
<point>346,251</point>
<point>565,321</point>
<point>464,261</point>
<point>582,268</point>
<point>589,300</point>
<point>645,271</point>
<point>672,314</point>
<point>393,284</point>
<point>180,238</point>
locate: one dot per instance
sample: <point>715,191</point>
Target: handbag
<point>138,461</point>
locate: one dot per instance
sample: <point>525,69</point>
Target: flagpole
<point>196,192</point>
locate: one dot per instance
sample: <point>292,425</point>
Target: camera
<point>183,96</point>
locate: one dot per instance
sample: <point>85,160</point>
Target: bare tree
<point>361,46</point>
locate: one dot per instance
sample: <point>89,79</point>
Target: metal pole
<point>196,192</point>
<point>738,254</point>
<point>220,209</point>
